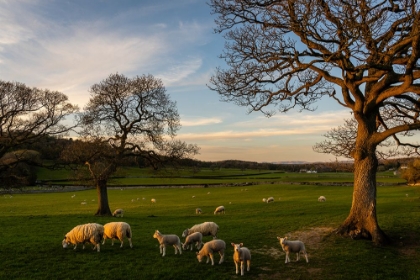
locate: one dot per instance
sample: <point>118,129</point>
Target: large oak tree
<point>364,54</point>
<point>127,117</point>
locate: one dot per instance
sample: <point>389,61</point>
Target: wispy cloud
<point>200,121</point>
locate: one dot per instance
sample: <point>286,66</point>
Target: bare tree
<point>363,54</point>
<point>26,116</point>
<point>127,118</point>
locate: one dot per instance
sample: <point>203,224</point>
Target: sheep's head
<point>282,241</point>
<point>156,234</point>
<point>185,233</point>
<point>65,242</point>
<point>237,247</point>
<point>199,257</point>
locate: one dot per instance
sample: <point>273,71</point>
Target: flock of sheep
<point>95,234</point>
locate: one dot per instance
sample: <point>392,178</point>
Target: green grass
<point>33,225</point>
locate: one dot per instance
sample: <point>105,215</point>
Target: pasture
<point>33,226</point>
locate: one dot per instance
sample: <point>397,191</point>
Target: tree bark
<point>103,205</point>
<point>362,221</point>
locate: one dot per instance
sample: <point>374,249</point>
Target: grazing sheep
<point>196,238</point>
<point>241,255</point>
<point>168,239</point>
<point>86,233</point>
<point>264,200</point>
<point>220,209</point>
<point>292,247</point>
<point>198,211</point>
<point>211,247</point>
<point>206,228</point>
<point>118,213</point>
<point>322,199</point>
<point>118,230</point>
<point>270,199</point>
<point>153,200</point>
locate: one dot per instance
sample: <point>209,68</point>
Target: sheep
<point>264,200</point>
<point>211,247</point>
<point>196,238</point>
<point>153,200</point>
<point>206,228</point>
<point>118,213</point>
<point>322,199</point>
<point>118,230</point>
<point>270,199</point>
<point>168,239</point>
<point>198,211</point>
<point>241,255</point>
<point>292,247</point>
<point>85,233</point>
<point>220,209</point>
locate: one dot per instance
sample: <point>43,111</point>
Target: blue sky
<point>70,45</point>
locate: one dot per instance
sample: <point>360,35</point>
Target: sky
<point>68,46</point>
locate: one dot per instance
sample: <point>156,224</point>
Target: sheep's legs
<point>248,265</point>
<point>298,256</point>
<point>222,257</point>
<point>242,268</point>
<point>237,267</point>
<point>287,257</point>
<point>131,244</point>
<point>211,258</point>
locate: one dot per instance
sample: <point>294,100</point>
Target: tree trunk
<point>362,221</point>
<point>103,205</point>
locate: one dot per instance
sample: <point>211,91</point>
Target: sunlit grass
<point>33,226</point>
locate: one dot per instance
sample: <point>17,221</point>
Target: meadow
<point>34,224</point>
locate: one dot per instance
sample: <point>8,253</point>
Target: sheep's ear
<point>278,237</point>
<point>233,244</point>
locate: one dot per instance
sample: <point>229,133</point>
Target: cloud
<point>199,121</point>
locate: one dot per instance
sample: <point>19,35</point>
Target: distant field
<point>33,226</point>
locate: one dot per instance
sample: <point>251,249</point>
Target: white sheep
<point>270,199</point>
<point>241,255</point>
<point>85,233</point>
<point>118,230</point>
<point>118,213</point>
<point>168,239</point>
<point>289,246</point>
<point>196,238</point>
<point>206,228</point>
<point>220,209</point>
<point>198,211</point>
<point>153,200</point>
<point>264,200</point>
<point>211,247</point>
<point>322,199</point>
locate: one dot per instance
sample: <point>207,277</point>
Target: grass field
<point>33,226</point>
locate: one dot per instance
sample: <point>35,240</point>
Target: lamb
<point>220,209</point>
<point>264,200</point>
<point>85,233</point>
<point>211,247</point>
<point>168,239</point>
<point>118,213</point>
<point>153,200</point>
<point>198,211</point>
<point>206,228</point>
<point>241,255</point>
<point>322,199</point>
<point>196,238</point>
<point>270,199</point>
<point>292,247</point>
<point>118,230</point>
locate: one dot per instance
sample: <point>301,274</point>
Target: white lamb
<point>86,233</point>
<point>118,230</point>
<point>196,238</point>
<point>118,213</point>
<point>322,199</point>
<point>264,200</point>
<point>241,255</point>
<point>211,247</point>
<point>206,228</point>
<point>153,200</point>
<point>198,211</point>
<point>220,209</point>
<point>168,239</point>
<point>270,199</point>
<point>292,247</point>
